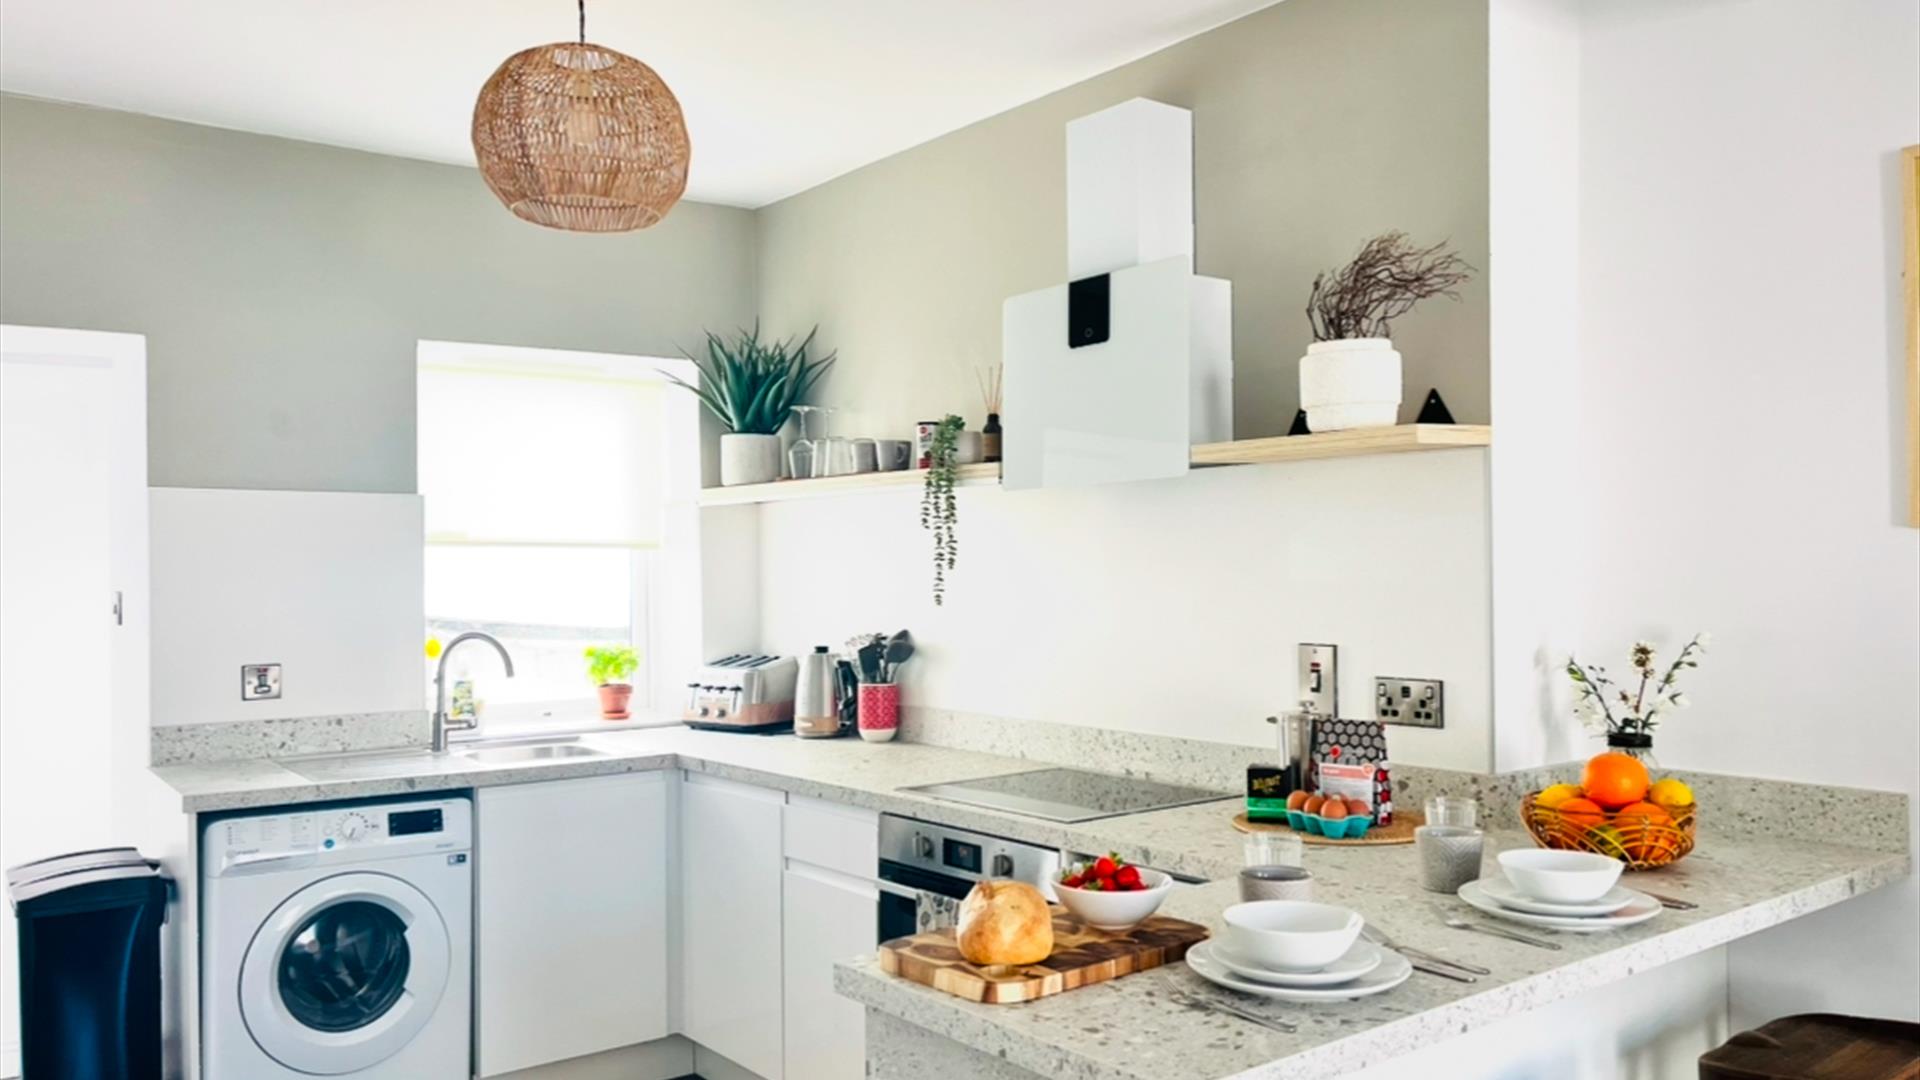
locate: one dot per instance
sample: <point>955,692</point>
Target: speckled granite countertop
<point>1193,840</point>
<point>1130,1028</point>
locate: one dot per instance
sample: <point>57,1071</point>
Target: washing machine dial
<point>354,826</point>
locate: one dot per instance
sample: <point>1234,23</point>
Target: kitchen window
<point>551,481</point>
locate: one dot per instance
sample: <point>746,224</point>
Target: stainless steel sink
<point>508,755</point>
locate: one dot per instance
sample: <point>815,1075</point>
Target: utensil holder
<point>879,711</point>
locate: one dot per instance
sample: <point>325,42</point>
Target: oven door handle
<point>901,891</point>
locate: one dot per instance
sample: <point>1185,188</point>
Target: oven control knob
<point>923,846</point>
<point>1003,866</point>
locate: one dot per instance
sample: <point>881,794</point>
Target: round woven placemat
<point>1399,832</point>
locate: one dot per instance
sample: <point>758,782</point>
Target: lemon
<point>1552,797</point>
<point>1670,793</point>
<point>433,648</point>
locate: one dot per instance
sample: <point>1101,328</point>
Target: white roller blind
<point>513,452</point>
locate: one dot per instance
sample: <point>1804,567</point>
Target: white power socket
<point>1413,702</point>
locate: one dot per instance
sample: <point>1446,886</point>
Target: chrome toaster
<point>743,692</point>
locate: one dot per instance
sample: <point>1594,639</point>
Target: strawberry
<point>1073,881</point>
<point>1097,885</point>
<point>1128,878</point>
<point>1104,867</point>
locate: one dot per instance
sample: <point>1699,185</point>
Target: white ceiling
<point>780,95</point>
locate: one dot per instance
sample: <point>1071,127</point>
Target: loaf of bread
<point>1004,922</point>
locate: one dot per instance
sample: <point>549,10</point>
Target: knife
<point>1445,973</point>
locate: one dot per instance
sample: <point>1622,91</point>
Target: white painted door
<point>730,911</point>
<point>73,528</point>
<point>571,918</point>
<point>828,916</point>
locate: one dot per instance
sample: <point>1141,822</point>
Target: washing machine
<point>336,940</point>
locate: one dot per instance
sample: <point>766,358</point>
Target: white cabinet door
<point>829,917</point>
<point>571,922</point>
<point>730,914</point>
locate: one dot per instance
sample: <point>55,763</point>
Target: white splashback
<point>326,584</point>
<point>1166,607</point>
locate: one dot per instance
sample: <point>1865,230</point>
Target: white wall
<point>1739,372</point>
<point>326,584</point>
<point>1165,607</point>
<point>1533,179</point>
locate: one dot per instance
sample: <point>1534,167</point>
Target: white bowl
<point>1117,911</point>
<point>1290,935</point>
<point>1561,877</point>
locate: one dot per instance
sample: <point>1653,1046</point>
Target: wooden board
<point>1399,832</point>
<point>1081,956</point>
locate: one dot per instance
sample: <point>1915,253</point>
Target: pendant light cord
<point>583,22</point>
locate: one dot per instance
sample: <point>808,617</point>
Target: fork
<point>1379,937</point>
<point>1500,932</point>
<point>1673,902</point>
<point>1191,1001</point>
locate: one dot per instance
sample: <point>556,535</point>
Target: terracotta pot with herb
<point>610,666</point>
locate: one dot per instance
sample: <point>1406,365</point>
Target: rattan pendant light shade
<point>577,136</point>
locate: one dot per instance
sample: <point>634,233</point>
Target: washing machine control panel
<point>377,831</point>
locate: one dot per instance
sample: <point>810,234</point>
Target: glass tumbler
<point>1272,849</point>
<point>1453,810</point>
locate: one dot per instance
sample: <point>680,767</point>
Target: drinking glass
<point>1272,849</point>
<point>1453,810</point>
<point>1450,855</point>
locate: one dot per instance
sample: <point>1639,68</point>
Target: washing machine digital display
<point>414,822</point>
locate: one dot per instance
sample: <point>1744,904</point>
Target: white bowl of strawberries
<point>1111,894</point>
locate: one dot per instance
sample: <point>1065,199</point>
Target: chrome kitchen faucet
<point>442,723</point>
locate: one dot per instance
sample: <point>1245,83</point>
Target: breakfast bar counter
<point>1158,1025</point>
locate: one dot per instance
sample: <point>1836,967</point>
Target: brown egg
<point>1297,800</point>
<point>1313,804</point>
<point>1334,809</point>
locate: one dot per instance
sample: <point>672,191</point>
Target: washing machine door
<point>344,973</point>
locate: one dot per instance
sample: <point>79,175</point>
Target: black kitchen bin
<point>89,965</point>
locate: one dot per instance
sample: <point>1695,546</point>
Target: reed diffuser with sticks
<point>988,376</point>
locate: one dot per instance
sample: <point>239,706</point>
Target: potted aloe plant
<point>751,386</point>
<point>610,666</point>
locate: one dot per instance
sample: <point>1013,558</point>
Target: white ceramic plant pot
<point>1353,383</point>
<point>749,459</point>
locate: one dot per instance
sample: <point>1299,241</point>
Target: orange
<point>1641,825</point>
<point>1582,813</point>
<point>1614,780</point>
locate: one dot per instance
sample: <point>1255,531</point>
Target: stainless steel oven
<point>927,869</point>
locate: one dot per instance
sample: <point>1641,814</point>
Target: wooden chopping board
<point>1399,831</point>
<point>1081,956</point>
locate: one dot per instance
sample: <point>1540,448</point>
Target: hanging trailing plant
<point>937,508</point>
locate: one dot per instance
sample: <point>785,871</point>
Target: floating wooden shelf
<point>1406,438</point>
<point>1361,442</point>
<point>782,490</point>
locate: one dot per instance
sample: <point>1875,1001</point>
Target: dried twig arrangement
<point>988,378</point>
<point>1383,282</point>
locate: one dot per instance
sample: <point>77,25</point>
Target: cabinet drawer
<point>842,838</point>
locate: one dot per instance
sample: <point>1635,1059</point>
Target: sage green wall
<point>1317,123</point>
<point>282,285</point>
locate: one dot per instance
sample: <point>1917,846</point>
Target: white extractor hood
<point>1116,374</point>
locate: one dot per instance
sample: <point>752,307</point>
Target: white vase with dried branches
<point>1351,375</point>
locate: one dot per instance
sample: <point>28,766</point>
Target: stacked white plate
<point>1620,906</point>
<point>1366,969</point>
